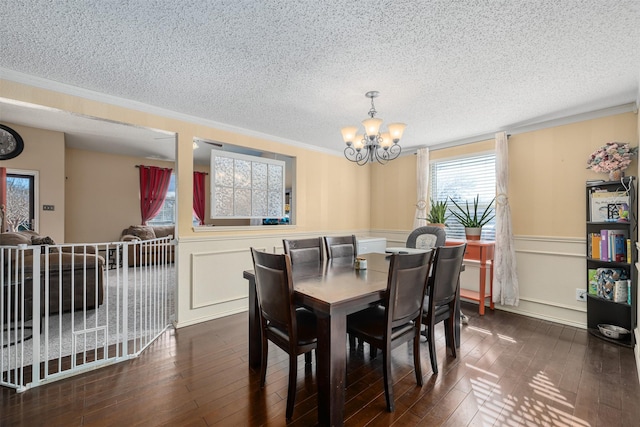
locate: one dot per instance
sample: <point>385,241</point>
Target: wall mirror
<point>236,187</point>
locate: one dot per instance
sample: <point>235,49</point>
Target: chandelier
<point>373,145</point>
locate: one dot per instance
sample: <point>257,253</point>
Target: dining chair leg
<point>291,392</point>
<point>307,358</point>
<point>450,335</point>
<point>373,352</point>
<point>417,365</point>
<point>352,343</point>
<point>432,348</point>
<point>388,383</point>
<point>263,362</point>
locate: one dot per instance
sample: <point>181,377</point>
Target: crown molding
<point>537,124</point>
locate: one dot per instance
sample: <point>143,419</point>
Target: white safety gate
<point>91,305</point>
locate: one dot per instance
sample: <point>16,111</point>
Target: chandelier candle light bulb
<point>373,145</point>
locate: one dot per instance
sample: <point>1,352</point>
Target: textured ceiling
<point>298,70</point>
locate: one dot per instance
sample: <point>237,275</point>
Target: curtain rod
<point>140,166</point>
<point>145,166</point>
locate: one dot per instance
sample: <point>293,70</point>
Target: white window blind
<point>245,186</point>
<point>462,179</point>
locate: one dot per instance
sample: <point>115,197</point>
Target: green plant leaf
<point>472,218</point>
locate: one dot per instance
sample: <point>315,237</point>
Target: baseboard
<point>214,316</point>
<point>548,318</point>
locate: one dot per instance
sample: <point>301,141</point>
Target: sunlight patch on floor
<point>481,370</point>
<point>552,408</point>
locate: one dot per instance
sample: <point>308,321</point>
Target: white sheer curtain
<point>506,290</point>
<point>422,187</point>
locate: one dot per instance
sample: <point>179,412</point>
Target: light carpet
<point>150,300</point>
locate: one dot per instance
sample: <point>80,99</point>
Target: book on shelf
<point>592,275</point>
<point>613,245</point>
<point>604,245</point>
<point>605,206</point>
<point>594,246</point>
<point>619,252</point>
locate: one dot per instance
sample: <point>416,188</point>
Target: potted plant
<point>438,215</point>
<point>471,219</point>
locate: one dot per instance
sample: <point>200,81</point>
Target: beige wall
<point>393,194</point>
<point>548,172</point>
<point>44,153</point>
<point>102,195</point>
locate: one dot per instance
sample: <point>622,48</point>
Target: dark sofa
<point>141,252</point>
<point>75,273</point>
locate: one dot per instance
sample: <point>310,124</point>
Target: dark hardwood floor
<point>511,371</point>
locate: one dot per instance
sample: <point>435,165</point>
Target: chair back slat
<point>446,273</point>
<point>304,250</point>
<point>274,287</point>
<point>408,274</point>
<point>340,247</point>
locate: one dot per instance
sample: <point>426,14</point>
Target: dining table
<point>332,289</point>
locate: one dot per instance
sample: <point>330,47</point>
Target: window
<point>462,180</point>
<point>167,214</point>
<point>21,201</point>
<point>245,186</point>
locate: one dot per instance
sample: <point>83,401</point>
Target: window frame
<point>35,177</point>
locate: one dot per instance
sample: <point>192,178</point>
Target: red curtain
<point>154,182</point>
<point>198,195</point>
<point>3,199</point>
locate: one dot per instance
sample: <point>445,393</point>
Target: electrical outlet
<point>581,294</point>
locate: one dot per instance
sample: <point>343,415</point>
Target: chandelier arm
<point>394,151</point>
<point>361,157</point>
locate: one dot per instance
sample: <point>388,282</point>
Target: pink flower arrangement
<point>612,156</point>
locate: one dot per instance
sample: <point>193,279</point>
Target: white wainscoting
<point>211,283</point>
<point>209,271</point>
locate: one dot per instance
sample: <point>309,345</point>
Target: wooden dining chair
<point>304,250</point>
<point>441,297</point>
<point>340,247</point>
<point>398,318</point>
<point>430,237</point>
<point>290,328</point>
